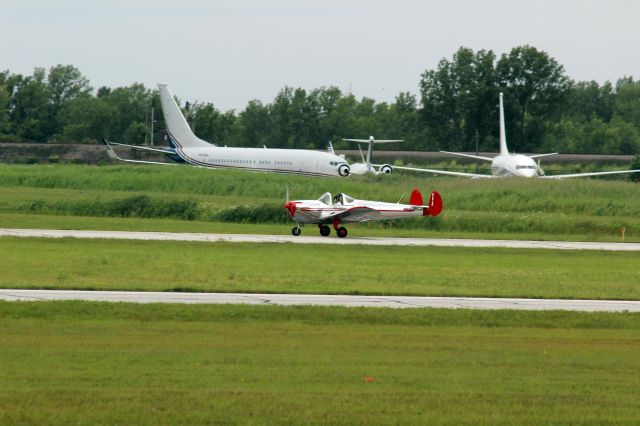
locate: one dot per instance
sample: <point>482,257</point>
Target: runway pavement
<point>325,300</point>
<point>374,241</point>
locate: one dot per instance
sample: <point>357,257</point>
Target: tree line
<point>545,110</point>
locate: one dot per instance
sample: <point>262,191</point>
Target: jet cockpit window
<point>325,198</point>
<point>525,167</point>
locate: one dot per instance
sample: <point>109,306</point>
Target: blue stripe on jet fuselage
<point>187,159</point>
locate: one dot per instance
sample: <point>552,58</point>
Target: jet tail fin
<point>503,134</point>
<point>179,131</point>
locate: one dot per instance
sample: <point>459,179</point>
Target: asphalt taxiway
<point>372,241</point>
<point>325,300</point>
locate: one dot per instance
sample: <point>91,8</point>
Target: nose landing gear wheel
<point>342,232</point>
<point>325,230</point>
<point>296,231</point>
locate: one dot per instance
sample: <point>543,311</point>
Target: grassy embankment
<point>100,363</point>
<point>319,269</point>
<point>190,199</point>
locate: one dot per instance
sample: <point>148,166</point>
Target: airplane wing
<point>477,157</point>
<point>115,156</point>
<point>361,213</point>
<point>617,172</point>
<point>542,155</point>
<point>374,141</point>
<point>440,172</point>
<point>357,213</point>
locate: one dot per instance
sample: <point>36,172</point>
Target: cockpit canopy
<point>339,198</point>
<point>343,199</point>
<point>325,198</point>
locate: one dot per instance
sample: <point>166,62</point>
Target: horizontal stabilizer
<point>115,156</point>
<point>144,148</point>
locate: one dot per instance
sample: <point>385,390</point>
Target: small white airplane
<point>366,167</point>
<point>506,164</point>
<point>189,149</point>
<point>342,208</point>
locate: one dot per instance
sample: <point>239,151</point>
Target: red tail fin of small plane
<point>416,198</point>
<point>435,205</point>
<point>435,202</point>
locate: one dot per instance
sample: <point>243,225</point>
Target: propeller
<point>290,205</point>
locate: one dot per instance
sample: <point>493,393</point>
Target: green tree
<point>535,87</point>
<point>587,99</point>
<point>254,125</point>
<point>86,119</point>
<point>136,133</point>
<point>621,137</point>
<point>29,110</point>
<point>212,125</point>
<point>458,100</point>
<point>65,82</point>
<point>133,105</point>
<point>627,100</point>
<point>4,109</point>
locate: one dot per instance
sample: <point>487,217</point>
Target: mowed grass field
<point>169,198</point>
<point>317,269</point>
<point>103,363</point>
<point>100,363</point>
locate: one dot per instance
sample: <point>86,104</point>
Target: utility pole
<point>152,121</point>
<point>477,153</point>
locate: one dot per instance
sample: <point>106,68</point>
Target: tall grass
<point>582,196</point>
<point>587,207</point>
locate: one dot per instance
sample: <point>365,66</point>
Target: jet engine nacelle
<point>386,169</point>
<point>344,170</point>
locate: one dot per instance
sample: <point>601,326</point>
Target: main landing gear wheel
<point>325,230</point>
<point>342,232</point>
<point>296,231</point>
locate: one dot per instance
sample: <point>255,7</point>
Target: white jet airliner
<point>507,164</point>
<point>188,148</point>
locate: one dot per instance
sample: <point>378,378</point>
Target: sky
<point>231,51</point>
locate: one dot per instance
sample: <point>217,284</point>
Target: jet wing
<point>542,155</point>
<point>440,172</point>
<point>616,172</point>
<point>115,156</point>
<point>476,157</point>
